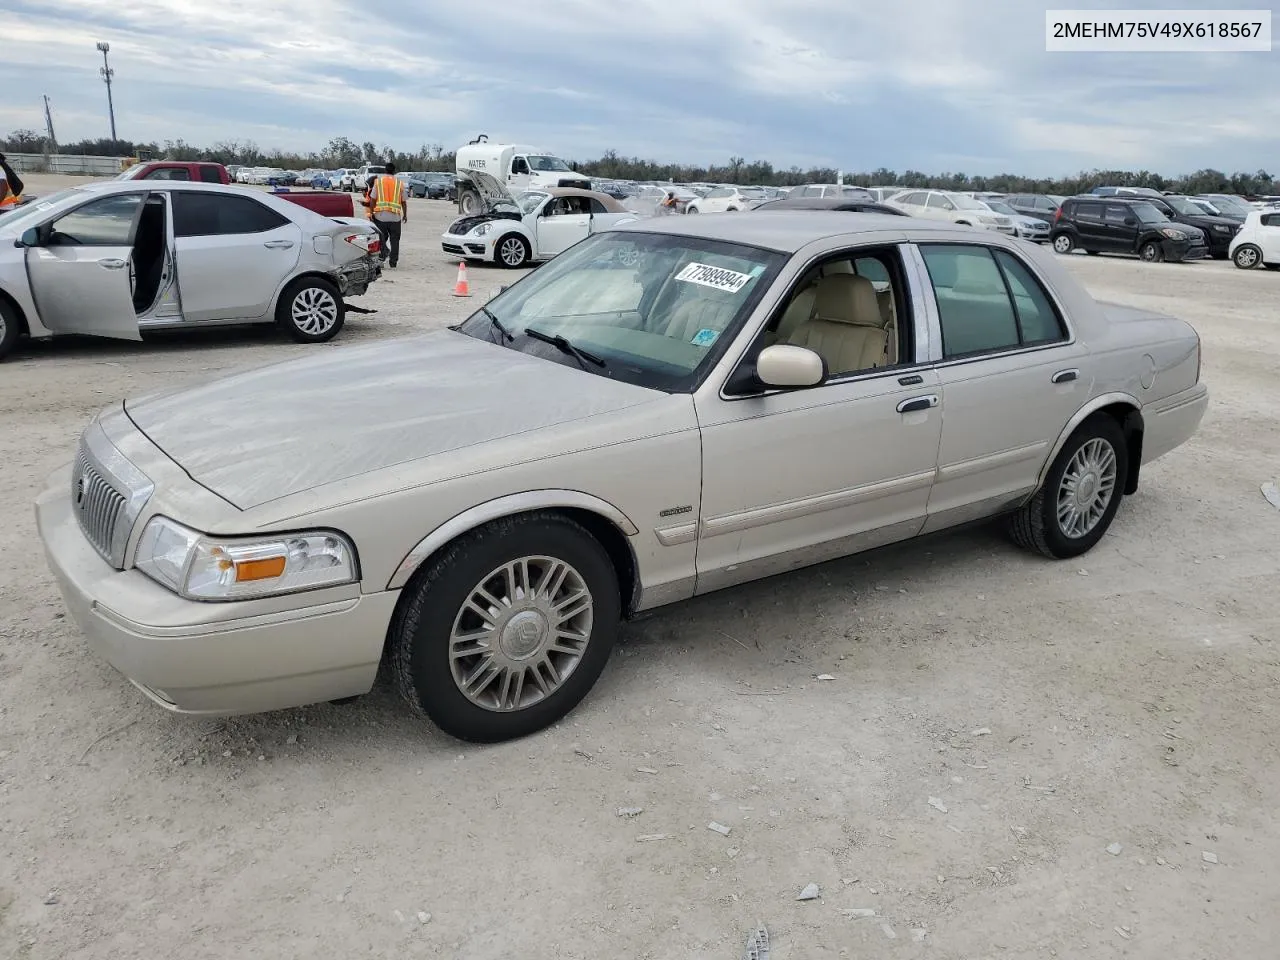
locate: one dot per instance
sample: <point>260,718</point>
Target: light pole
<point>107,74</point>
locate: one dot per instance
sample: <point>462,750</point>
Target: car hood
<point>464,225</point>
<point>279,430</point>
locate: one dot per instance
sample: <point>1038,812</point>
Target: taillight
<point>1057,215</point>
<point>368,242</point>
<point>1199,356</point>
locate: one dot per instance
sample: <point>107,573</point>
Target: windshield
<point>547,163</point>
<point>752,193</point>
<point>528,201</point>
<point>966,203</point>
<point>1184,207</point>
<point>999,206</point>
<point>1231,205</point>
<point>1148,213</point>
<point>35,210</point>
<point>653,306</point>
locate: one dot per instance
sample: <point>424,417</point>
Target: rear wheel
<point>311,310</point>
<point>1081,493</point>
<point>1063,243</point>
<point>508,628</point>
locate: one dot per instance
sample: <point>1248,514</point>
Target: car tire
<point>1094,459</point>
<point>311,310</point>
<point>10,329</point>
<point>690,209</point>
<point>1151,252</point>
<point>1247,256</point>
<point>512,251</point>
<point>472,643</point>
<point>470,204</point>
<point>1063,243</point>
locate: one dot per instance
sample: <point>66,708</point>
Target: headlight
<point>986,219</point>
<point>481,230</point>
<point>1222,228</point>
<point>201,567</point>
<point>1174,234</point>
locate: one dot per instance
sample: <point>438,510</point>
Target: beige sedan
<point>664,410</point>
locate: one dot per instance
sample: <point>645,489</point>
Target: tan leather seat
<point>846,328</point>
<point>700,313</point>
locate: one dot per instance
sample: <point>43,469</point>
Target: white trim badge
<point>730,281</point>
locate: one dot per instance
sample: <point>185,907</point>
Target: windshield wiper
<point>566,347</point>
<point>497,324</point>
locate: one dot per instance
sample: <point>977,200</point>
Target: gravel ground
<point>1090,730</point>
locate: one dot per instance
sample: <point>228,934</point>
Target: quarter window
<point>210,174</point>
<point>1271,220</point>
<point>218,214</point>
<point>987,301</point>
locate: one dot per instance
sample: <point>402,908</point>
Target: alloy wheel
<point>1087,486</point>
<point>314,310</point>
<point>512,252</point>
<point>1246,258</point>
<point>521,633</point>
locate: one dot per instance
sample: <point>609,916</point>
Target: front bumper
<point>212,659</point>
<point>1178,250</point>
<point>1038,234</point>
<point>467,246</point>
<point>355,277</point>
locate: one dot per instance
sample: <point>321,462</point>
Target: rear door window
<point>216,214</point>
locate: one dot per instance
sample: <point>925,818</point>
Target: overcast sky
<point>925,84</point>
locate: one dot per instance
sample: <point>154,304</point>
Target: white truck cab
<point>516,166</point>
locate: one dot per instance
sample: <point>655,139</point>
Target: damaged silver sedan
<point>119,258</point>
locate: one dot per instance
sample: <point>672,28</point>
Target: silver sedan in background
<point>117,258</point>
<point>665,409</point>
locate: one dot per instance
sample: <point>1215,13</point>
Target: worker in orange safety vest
<point>11,185</point>
<point>385,201</point>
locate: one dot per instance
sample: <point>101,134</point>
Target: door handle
<point>1066,376</point>
<point>917,403</point>
<point>112,263</point>
<point>279,244</point>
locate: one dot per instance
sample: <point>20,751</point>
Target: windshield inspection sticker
<point>705,338</point>
<point>718,277</point>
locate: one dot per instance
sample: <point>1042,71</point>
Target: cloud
<point>922,84</point>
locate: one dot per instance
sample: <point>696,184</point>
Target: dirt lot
<point>1051,709</point>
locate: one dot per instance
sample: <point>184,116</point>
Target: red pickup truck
<point>325,203</point>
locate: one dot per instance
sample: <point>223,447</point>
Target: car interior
<point>150,240</point>
<point>850,311</point>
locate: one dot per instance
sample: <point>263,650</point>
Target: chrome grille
<point>107,495</point>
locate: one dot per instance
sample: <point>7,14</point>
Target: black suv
<point>1219,230</point>
<point>1124,225</point>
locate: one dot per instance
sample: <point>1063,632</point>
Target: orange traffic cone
<point>462,288</point>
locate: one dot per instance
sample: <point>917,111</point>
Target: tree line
<point>344,152</point>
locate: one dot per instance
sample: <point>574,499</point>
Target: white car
<point>727,200</point>
<point>1257,242</point>
<point>532,226</point>
<point>120,257</point>
<point>951,206</point>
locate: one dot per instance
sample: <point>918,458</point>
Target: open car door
<point>80,268</point>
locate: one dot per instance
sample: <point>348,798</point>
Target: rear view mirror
<point>782,365</point>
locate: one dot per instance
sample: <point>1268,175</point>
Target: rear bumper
<point>354,277</point>
<point>1171,422</point>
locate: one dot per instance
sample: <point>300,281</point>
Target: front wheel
<point>469,203</point>
<point>513,251</point>
<point>508,628</point>
<point>1247,256</point>
<point>8,329</point>
<point>1080,496</point>
<point>1151,252</point>
<point>1063,243</point>
<point>311,310</point>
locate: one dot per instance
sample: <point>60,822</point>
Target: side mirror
<point>29,238</point>
<point>782,365</point>
<point>1130,221</point>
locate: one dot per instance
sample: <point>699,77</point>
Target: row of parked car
<point>1154,225</point>
<point>434,186</point>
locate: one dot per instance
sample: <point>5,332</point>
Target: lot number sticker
<point>716,277</point>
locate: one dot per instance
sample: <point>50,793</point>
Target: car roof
<point>609,202</point>
<point>848,204</point>
<point>788,231</point>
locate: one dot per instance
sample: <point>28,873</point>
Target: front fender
<point>507,506</point>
